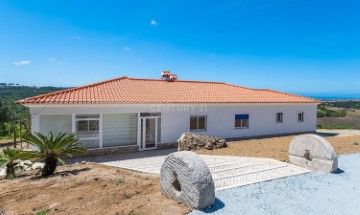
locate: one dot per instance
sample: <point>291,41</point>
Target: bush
<point>52,148</point>
<point>335,126</point>
<point>320,114</point>
<point>11,159</point>
<point>335,113</point>
<point>331,113</point>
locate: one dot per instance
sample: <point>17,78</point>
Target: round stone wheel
<point>186,178</point>
<point>313,152</point>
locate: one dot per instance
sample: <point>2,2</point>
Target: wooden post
<point>28,130</point>
<point>15,137</point>
<point>20,134</point>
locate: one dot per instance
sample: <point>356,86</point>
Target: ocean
<point>331,96</point>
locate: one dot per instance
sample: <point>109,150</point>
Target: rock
<point>25,165</point>
<point>2,173</point>
<point>313,152</point>
<point>221,143</point>
<point>77,163</point>
<point>189,141</point>
<point>83,162</point>
<point>209,145</point>
<point>37,165</point>
<point>55,206</point>
<point>186,178</point>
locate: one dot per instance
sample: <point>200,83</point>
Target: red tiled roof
<point>126,90</point>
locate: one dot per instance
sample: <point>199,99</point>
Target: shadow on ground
<point>72,172</point>
<point>339,171</point>
<point>217,206</point>
<point>327,134</point>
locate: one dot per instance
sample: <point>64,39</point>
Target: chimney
<point>168,76</point>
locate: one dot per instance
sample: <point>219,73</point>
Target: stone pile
<point>189,141</point>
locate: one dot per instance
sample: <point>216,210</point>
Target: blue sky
<point>299,46</point>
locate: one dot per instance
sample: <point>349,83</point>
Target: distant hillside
<point>344,104</point>
<point>20,92</point>
<point>339,115</point>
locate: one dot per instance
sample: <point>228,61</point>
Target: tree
<point>11,158</point>
<point>7,112</point>
<point>51,148</point>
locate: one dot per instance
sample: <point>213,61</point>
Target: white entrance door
<point>149,133</point>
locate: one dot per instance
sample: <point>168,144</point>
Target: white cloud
<point>153,22</point>
<point>23,62</point>
<point>126,49</point>
<point>52,59</point>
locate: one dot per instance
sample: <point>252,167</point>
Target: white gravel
<point>311,193</point>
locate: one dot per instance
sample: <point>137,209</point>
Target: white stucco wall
<point>220,117</point>
<point>262,120</point>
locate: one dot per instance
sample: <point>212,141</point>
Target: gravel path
<point>311,193</point>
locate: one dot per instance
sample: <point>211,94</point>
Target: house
<point>130,114</point>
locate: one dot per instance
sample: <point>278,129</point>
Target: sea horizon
<point>332,96</point>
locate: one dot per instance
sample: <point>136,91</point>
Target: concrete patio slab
<point>227,171</point>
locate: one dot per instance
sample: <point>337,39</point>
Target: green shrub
<point>331,113</point>
<point>43,212</point>
<point>10,159</point>
<point>320,114</point>
<point>52,148</point>
<point>335,113</point>
<point>335,126</point>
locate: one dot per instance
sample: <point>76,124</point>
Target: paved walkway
<point>227,171</point>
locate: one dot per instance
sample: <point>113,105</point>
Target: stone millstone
<point>186,178</point>
<point>313,152</point>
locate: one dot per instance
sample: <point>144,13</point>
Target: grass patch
<point>43,212</point>
<point>120,181</point>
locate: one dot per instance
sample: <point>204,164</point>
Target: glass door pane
<point>142,134</point>
<point>150,133</point>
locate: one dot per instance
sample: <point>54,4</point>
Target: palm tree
<point>11,158</point>
<point>51,148</point>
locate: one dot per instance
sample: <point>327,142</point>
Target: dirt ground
<point>86,189</point>
<point>277,147</point>
<point>96,189</point>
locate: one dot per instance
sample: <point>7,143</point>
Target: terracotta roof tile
<point>126,90</point>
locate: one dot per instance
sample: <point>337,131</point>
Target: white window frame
<point>197,122</point>
<point>281,117</point>
<point>241,120</point>
<point>301,118</point>
<point>75,120</point>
